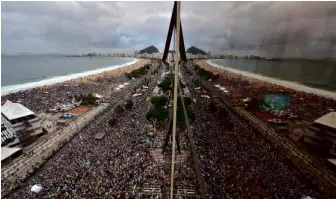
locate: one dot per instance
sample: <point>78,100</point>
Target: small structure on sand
<point>99,136</point>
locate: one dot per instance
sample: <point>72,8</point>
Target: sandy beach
<point>76,78</point>
<point>284,83</point>
<point>111,73</point>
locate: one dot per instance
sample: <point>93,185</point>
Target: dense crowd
<point>88,168</point>
<point>237,162</point>
<point>117,166</point>
<point>307,106</point>
<point>41,99</point>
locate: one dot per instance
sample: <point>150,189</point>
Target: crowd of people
<point>117,166</point>
<point>41,99</point>
<point>307,106</point>
<point>237,162</point>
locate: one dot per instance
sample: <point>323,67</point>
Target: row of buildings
<point>160,55</point>
<point>94,54</point>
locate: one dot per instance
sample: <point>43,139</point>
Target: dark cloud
<point>288,29</point>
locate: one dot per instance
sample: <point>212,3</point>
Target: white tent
<point>8,151</point>
<point>332,161</point>
<point>15,110</point>
<point>36,188</point>
<point>246,99</point>
<point>98,96</point>
<point>137,94</point>
<point>328,120</point>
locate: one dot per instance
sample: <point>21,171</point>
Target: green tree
<point>180,117</point>
<point>119,109</point>
<point>158,113</point>
<point>186,100</point>
<point>212,107</point>
<point>205,74</point>
<point>129,104</point>
<point>159,100</point>
<point>113,122</point>
<point>166,84</point>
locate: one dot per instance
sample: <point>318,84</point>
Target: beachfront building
<point>22,121</point>
<point>321,134</point>
<point>8,135</point>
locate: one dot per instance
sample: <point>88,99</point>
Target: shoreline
<point>74,77</point>
<point>279,82</point>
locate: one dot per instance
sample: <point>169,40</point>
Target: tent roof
<point>328,119</point>
<point>15,110</point>
<point>332,161</point>
<point>7,152</point>
<point>98,96</point>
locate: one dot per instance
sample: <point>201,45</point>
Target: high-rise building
<point>135,53</point>
<point>209,55</point>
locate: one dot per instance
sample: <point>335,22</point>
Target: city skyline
<point>268,29</point>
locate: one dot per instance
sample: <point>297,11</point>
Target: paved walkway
<point>45,148</point>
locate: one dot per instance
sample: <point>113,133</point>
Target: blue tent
<point>148,142</point>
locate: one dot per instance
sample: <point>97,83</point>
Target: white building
<point>18,117</point>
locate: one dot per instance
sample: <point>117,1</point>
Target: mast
<point>177,45</point>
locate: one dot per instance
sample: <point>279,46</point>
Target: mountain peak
<point>194,50</point>
<point>149,50</point>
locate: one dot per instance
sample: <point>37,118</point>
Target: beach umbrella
<point>36,188</point>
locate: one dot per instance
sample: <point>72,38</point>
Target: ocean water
<point>20,72</point>
<point>316,74</point>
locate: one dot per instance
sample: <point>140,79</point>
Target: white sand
<point>284,83</point>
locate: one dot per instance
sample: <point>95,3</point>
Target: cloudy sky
<point>283,29</point>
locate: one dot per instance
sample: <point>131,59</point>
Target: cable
<point>193,150</point>
<point>178,4</point>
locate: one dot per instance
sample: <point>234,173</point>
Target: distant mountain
<point>193,50</point>
<point>149,50</point>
